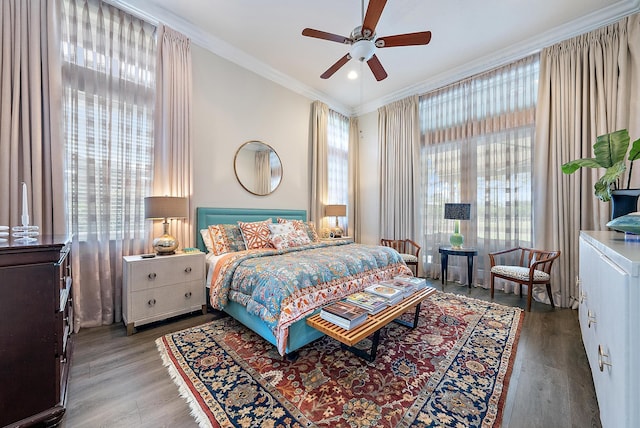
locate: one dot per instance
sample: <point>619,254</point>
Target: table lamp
<point>337,211</point>
<point>165,207</point>
<point>457,212</point>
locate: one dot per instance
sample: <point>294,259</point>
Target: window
<point>338,161</point>
<point>108,96</point>
<point>477,146</point>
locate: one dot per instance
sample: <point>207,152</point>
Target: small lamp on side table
<point>337,211</point>
<point>457,212</point>
<point>165,207</point>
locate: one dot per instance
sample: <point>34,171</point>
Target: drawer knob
<point>152,302</point>
<point>188,269</point>
<point>601,357</point>
<point>592,318</point>
<point>152,276</point>
<point>187,294</point>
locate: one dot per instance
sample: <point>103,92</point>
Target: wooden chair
<point>534,267</point>
<point>409,251</point>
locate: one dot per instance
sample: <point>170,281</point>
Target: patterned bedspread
<point>284,286</point>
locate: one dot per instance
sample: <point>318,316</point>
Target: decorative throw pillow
<point>256,234</point>
<point>289,240</point>
<point>226,238</point>
<point>206,238</point>
<point>309,228</point>
<point>281,228</point>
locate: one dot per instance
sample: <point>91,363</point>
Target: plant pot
<point>623,202</point>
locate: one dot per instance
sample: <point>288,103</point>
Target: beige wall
<point>231,106</point>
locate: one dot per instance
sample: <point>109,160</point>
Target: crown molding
<point>589,22</point>
<point>157,15</point>
<point>512,53</point>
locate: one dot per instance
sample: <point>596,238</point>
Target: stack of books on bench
<point>419,283</point>
<point>371,302</point>
<point>392,294</point>
<point>353,310</point>
<point>344,314</point>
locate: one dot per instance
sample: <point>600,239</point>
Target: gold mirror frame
<point>252,172</point>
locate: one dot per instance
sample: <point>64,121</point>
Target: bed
<point>276,305</point>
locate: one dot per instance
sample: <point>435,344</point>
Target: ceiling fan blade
<point>377,69</point>
<point>335,67</point>
<point>371,18</point>
<point>409,39</point>
<point>310,32</point>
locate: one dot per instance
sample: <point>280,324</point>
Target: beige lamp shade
<point>335,210</point>
<point>165,207</point>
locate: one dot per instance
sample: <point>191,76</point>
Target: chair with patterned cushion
<point>526,266</point>
<point>409,251</point>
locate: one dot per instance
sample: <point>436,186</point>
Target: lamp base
<point>166,244</point>
<point>336,232</point>
<point>456,240</point>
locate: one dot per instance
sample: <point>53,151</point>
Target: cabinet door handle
<point>188,269</point>
<point>583,296</point>
<point>591,317</point>
<point>152,276</point>
<point>187,294</point>
<point>152,302</point>
<point>601,357</point>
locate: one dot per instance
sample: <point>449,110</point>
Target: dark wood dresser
<point>36,328</point>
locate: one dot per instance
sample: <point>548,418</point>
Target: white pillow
<point>281,228</point>
<point>207,239</point>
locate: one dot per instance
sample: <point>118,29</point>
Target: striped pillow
<point>226,238</point>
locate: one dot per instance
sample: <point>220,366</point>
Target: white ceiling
<point>467,37</point>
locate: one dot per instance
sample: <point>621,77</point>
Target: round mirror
<point>258,168</point>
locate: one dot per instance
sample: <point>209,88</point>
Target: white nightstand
<point>161,287</point>
<point>342,238</point>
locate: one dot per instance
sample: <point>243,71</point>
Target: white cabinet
<point>608,313</point>
<point>162,287</point>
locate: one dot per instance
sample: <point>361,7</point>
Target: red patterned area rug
<point>452,370</point>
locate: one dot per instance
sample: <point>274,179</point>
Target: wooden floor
<point>119,380</point>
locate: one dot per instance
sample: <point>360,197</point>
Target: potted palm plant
<point>610,151</point>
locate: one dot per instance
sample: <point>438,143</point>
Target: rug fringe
<point>196,411</point>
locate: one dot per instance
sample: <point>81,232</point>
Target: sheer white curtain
<point>338,129</point>
<point>589,86</point>
<point>173,172</point>
<point>30,115</point>
<point>477,147</point>
<point>398,148</point>
<point>108,74</point>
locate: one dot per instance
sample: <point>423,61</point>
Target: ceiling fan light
<point>362,50</point>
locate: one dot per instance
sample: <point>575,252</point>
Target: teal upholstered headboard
<point>207,216</point>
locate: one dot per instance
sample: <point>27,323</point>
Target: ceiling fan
<point>364,42</point>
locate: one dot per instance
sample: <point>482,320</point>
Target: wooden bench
<point>373,324</point>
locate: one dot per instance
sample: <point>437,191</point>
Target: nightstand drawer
<point>155,302</point>
<point>153,273</point>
